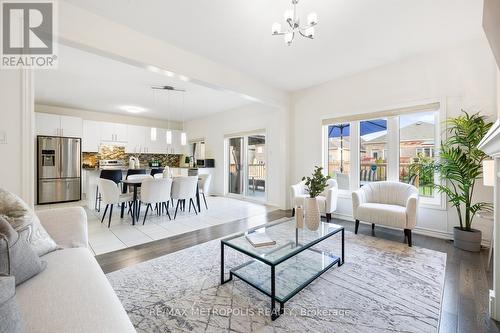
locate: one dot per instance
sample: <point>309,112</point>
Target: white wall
<point>11,124</point>
<point>249,118</point>
<point>108,117</point>
<point>463,77</point>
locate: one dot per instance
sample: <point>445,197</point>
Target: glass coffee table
<point>282,270</point>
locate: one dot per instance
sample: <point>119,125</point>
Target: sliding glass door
<point>246,166</point>
<point>235,177</point>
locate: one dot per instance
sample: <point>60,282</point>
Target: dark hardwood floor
<point>467,281</point>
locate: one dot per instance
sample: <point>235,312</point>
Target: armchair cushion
<point>389,215</point>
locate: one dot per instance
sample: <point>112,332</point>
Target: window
<point>339,155</point>
<point>397,145</point>
<point>417,142</point>
<point>373,152</point>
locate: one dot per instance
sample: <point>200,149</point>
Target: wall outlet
<point>3,137</point>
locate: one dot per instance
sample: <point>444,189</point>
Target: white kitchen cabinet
<point>136,139</point>
<point>55,125</point>
<point>91,139</point>
<point>71,126</point>
<point>47,124</point>
<point>113,132</point>
<point>156,141</point>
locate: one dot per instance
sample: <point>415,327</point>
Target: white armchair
<point>327,201</point>
<point>391,204</point>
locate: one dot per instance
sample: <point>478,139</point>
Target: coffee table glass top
<point>289,240</point>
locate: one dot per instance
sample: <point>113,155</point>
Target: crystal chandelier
<point>294,27</point>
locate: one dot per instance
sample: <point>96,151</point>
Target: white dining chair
<point>184,188</point>
<point>204,186</point>
<point>156,191</point>
<point>110,195</point>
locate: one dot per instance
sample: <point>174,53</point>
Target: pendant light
<point>183,134</point>
<point>169,132</point>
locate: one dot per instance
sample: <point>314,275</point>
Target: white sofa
<point>72,294</point>
<point>327,201</point>
<point>392,204</point>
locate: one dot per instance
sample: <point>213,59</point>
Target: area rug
<point>383,286</point>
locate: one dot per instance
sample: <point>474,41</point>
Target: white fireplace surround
<point>491,146</point>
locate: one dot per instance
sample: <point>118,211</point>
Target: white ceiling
<point>91,82</point>
<point>352,36</point>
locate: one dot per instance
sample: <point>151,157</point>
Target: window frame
<point>438,201</point>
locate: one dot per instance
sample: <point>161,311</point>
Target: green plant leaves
<point>460,164</point>
<point>316,184</point>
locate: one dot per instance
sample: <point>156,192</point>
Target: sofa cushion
<point>17,258</point>
<point>20,215</point>
<point>71,295</point>
<point>389,215</point>
<point>10,316</point>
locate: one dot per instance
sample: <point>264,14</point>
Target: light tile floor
<point>123,234</point>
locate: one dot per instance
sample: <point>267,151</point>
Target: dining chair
<point>156,191</point>
<point>114,175</point>
<point>110,195</point>
<point>184,188</point>
<point>131,172</point>
<point>138,176</point>
<point>204,186</point>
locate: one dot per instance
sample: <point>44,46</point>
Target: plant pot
<point>467,240</point>
<point>313,216</point>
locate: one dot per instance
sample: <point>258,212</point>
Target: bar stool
<point>157,171</point>
<point>113,175</point>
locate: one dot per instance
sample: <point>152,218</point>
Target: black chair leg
<point>176,208</point>
<point>104,215</point>
<point>356,226</point>
<point>146,213</point>
<point>328,217</point>
<point>96,197</point>
<point>293,212</point>
<point>139,210</point>
<point>110,215</point>
<point>408,236</point>
<point>191,202</point>
<point>122,210</point>
<point>373,226</point>
<point>205,200</point>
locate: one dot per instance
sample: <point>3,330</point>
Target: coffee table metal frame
<point>275,313</point>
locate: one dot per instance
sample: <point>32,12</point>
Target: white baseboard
<point>417,230</point>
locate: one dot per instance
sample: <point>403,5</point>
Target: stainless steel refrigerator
<point>59,169</point>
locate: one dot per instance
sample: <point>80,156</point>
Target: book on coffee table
<point>258,239</point>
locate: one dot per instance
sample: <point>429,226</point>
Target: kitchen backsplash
<point>91,160</point>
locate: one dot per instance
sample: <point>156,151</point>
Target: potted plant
<point>460,164</point>
<point>314,185</point>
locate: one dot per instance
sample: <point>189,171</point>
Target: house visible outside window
<point>339,153</point>
<point>373,143</point>
<point>417,142</point>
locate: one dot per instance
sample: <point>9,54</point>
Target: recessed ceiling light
<point>153,69</point>
<point>169,73</point>
<point>133,108</point>
<point>184,78</point>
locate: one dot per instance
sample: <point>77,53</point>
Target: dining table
<point>136,183</point>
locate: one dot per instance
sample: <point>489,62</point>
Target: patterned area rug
<point>383,286</point>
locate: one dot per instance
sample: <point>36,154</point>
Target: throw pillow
<point>10,315</point>
<point>16,255</point>
<point>20,215</point>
